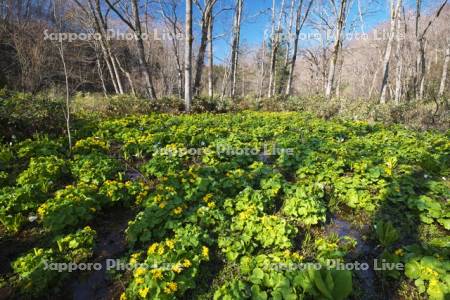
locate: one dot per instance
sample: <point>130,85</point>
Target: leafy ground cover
<point>223,206</point>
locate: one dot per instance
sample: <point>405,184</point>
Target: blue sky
<point>255,21</point>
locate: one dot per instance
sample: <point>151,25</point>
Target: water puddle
<point>363,253</point>
<point>111,243</point>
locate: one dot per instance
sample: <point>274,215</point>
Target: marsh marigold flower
<point>170,244</point>
<point>152,248</point>
<point>177,268</point>
<point>157,274</point>
<point>171,288</point>
<point>139,272</point>
<point>143,292</point>
<point>205,251</point>
<point>187,263</point>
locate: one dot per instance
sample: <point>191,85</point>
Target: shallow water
<point>364,252</point>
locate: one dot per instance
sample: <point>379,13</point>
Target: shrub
<point>23,114</point>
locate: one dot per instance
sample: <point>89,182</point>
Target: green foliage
<point>94,168</point>
<point>333,247</point>
<point>71,207</point>
<point>250,232</point>
<point>44,173</point>
<point>430,275</point>
<point>326,284</point>
<point>305,204</point>
<point>386,233</point>
<point>172,265</point>
<point>35,276</point>
<point>23,114</point>
<point>249,204</point>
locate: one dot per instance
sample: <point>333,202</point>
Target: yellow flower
<point>187,263</point>
<point>161,249</point>
<point>286,253</point>
<point>178,210</point>
<point>139,280</point>
<point>170,244</point>
<point>211,205</point>
<point>171,288</point>
<point>207,197</point>
<point>152,248</point>
<point>399,252</point>
<point>177,268</point>
<point>156,274</point>
<point>123,296</point>
<point>297,256</point>
<point>143,292</point>
<point>205,251</point>
<point>162,205</point>
<point>139,272</point>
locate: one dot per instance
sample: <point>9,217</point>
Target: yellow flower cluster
<point>207,197</point>
<point>177,210</point>
<point>247,213</point>
<point>143,292</point>
<point>399,252</point>
<point>177,268</point>
<point>157,274</point>
<point>205,252</point>
<point>187,263</point>
<point>139,272</point>
<point>152,248</point>
<point>170,288</point>
<point>170,244</point>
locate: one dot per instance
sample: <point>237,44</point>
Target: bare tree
<point>207,17</point>
<point>188,58</point>
<point>57,6</point>
<point>399,57</point>
<point>444,72</point>
<point>395,12</point>
<point>210,59</point>
<point>235,45</point>
<point>275,39</point>
<point>171,18</point>
<point>340,24</point>
<point>298,27</point>
<point>419,78</point>
<point>137,29</point>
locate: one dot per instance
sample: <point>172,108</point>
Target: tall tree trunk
<point>444,72</point>
<point>141,51</point>
<point>210,59</point>
<point>399,57</point>
<point>172,21</point>
<point>275,45</point>
<point>101,27</point>
<point>419,77</point>
<point>117,74</point>
<point>188,58</point>
<point>395,12</point>
<point>235,46</point>
<point>298,27</point>
<point>128,76</point>
<point>206,20</point>
<point>102,79</point>
<point>67,111</point>
<point>263,71</point>
<point>336,49</point>
<point>290,39</point>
